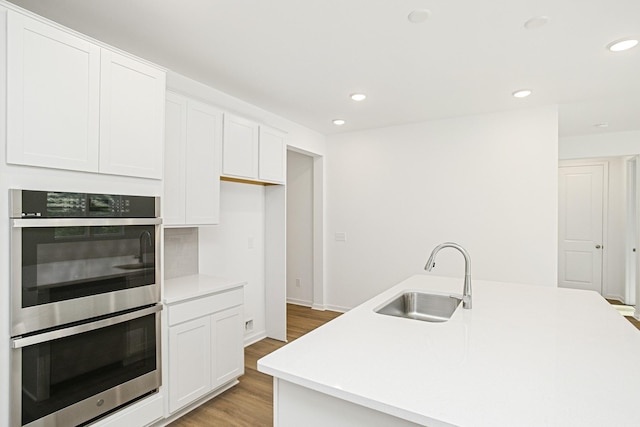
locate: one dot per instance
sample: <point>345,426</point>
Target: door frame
<point>605,212</point>
<point>631,231</point>
<point>318,224</point>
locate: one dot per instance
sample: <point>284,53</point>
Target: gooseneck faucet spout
<point>466,293</point>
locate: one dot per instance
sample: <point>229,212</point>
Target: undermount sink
<point>421,306</point>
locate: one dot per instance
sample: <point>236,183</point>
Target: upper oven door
<point>64,270</point>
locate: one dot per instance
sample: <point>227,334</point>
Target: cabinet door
<point>240,148</point>
<point>273,155</point>
<point>227,345</point>
<point>52,96</point>
<point>132,98</point>
<point>175,141</point>
<point>203,149</point>
<point>189,362</point>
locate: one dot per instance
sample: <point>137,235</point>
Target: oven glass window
<point>63,263</point>
<point>59,373</point>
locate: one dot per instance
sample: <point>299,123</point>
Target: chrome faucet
<point>466,293</point>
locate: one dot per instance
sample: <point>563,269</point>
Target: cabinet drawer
<point>203,306</point>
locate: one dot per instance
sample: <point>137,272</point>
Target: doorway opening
<point>597,227</point>
<point>305,229</point>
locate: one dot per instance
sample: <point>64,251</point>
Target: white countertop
<point>184,288</point>
<point>522,356</point>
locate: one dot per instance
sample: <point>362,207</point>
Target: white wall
<point>488,182</point>
<point>599,145</point>
<point>235,248</point>
<point>299,228</point>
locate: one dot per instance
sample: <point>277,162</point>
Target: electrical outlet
<point>248,325</point>
<point>298,282</point>
<point>341,236</point>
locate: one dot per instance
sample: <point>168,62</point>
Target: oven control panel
<point>53,204</point>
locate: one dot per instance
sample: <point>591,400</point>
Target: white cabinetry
<point>273,155</point>
<point>193,134</point>
<point>240,149</point>
<point>190,362</point>
<point>253,152</point>
<point>53,96</point>
<point>205,345</point>
<point>72,104</point>
<point>131,116</point>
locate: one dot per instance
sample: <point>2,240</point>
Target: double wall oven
<point>85,312</point>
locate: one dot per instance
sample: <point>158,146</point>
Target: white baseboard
<point>303,303</point>
<point>254,338</point>
<point>338,308</point>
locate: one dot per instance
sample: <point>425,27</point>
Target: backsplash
<point>180,252</point>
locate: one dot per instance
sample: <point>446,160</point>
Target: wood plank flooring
<point>631,319</point>
<point>250,403</point>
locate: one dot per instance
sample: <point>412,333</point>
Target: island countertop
<point>523,355</point>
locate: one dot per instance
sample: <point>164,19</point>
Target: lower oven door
<point>66,377</point>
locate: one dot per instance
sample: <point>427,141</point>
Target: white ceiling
<point>302,58</point>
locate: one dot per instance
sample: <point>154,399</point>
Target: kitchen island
<point>522,356</point>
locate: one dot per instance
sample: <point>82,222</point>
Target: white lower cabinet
<point>206,348</point>
<point>189,362</point>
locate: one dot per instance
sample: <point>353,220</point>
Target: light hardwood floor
<point>250,403</point>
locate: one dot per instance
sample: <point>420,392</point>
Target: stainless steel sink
<point>421,306</point>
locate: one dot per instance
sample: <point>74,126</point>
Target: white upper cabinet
<point>175,142</point>
<point>74,105</point>
<point>193,137</point>
<point>273,155</point>
<point>240,150</point>
<point>131,116</point>
<point>253,152</point>
<point>52,97</point>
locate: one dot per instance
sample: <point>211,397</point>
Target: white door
<point>580,227</point>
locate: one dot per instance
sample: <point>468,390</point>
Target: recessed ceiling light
<point>358,96</point>
<point>536,22</point>
<point>522,93</point>
<point>602,125</point>
<point>419,15</point>
<point>621,45</point>
<point>339,122</point>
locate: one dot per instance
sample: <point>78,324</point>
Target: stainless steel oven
<point>76,256</point>
<point>72,375</point>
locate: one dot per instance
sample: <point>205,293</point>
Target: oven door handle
<point>85,327</point>
<point>81,222</point>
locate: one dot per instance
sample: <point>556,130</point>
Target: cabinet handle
<point>598,246</point>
